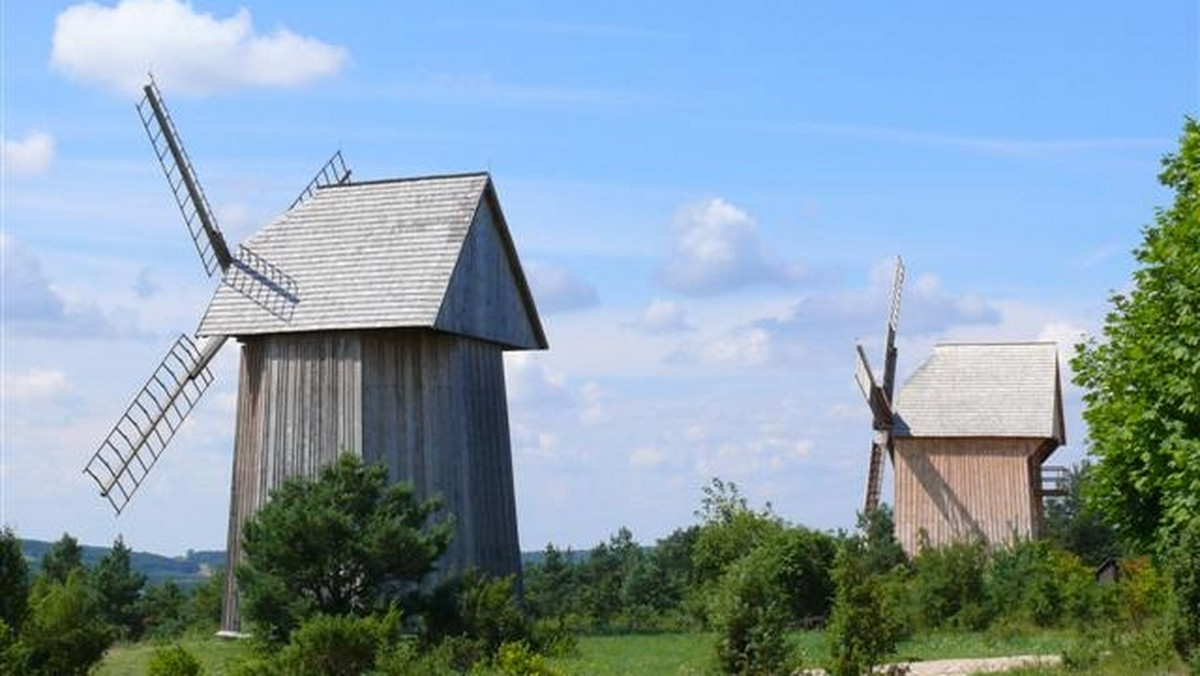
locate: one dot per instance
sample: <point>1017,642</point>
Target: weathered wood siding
<point>484,297</point>
<point>429,406</point>
<point>299,407</point>
<point>435,413</point>
<point>960,488</point>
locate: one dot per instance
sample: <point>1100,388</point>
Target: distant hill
<point>187,571</point>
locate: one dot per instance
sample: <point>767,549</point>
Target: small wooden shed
<point>410,292</point>
<point>972,428</point>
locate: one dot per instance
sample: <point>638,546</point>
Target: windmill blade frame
<point>185,187</point>
<point>156,413</point>
<point>333,172</point>
<point>880,396</point>
<point>266,284</point>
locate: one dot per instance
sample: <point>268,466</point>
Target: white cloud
<point>716,249</point>
<point>36,383</point>
<point>662,316</point>
<point>27,156</point>
<point>188,51</point>
<point>741,347</point>
<point>32,306</point>
<point>556,289</point>
<point>646,456</point>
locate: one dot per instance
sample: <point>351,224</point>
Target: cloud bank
<point>715,249</point>
<point>30,155</point>
<point>188,51</point>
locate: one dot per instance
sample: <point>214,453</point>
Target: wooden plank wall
<point>435,413</point>
<point>430,406</point>
<point>956,489</point>
<point>299,407</point>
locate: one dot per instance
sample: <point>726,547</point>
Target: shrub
<point>14,580</point>
<point>517,659</point>
<point>1142,592</point>
<point>338,645</point>
<point>14,655</point>
<point>1184,569</point>
<point>750,616</point>
<point>404,659</point>
<point>477,607</point>
<point>1037,581</point>
<point>864,627</point>
<point>64,632</point>
<point>947,586</point>
<point>173,661</point>
<point>347,542</point>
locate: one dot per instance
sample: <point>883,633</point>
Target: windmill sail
<point>189,196</point>
<point>334,172</point>
<point>249,274</point>
<point>879,397</point>
<point>130,450</point>
<point>259,280</point>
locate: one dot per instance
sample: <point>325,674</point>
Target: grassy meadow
<point>665,654</point>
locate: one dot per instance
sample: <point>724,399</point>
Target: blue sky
<point>706,201</point>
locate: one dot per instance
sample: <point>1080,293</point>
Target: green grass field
<point>642,654</point>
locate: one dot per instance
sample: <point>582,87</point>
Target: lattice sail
<point>880,396</point>
<point>130,450</point>
<point>334,172</point>
<point>264,283</point>
<point>189,196</point>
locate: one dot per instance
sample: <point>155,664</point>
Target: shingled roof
<point>984,390</point>
<point>431,252</point>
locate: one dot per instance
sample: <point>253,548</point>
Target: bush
<point>1184,569</point>
<point>750,616</point>
<point>1037,581</point>
<point>338,645</point>
<point>864,627</point>
<point>14,655</point>
<point>347,542</point>
<point>14,580</point>
<point>404,659</point>
<point>477,607</point>
<point>64,632</point>
<point>517,659</point>
<point>173,661</point>
<point>947,586</point>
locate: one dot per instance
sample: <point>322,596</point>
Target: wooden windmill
<point>967,435</point>
<point>373,318</point>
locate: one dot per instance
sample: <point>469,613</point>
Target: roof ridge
<point>407,179</point>
<point>995,343</point>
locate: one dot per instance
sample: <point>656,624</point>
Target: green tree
<point>750,616</point>
<point>203,607</point>
<point>729,530</point>
<point>549,585</point>
<point>1074,526</point>
<point>345,543</point>
<point>14,580</point>
<point>1184,570</point>
<point>864,627</point>
<point>881,548</point>
<point>65,631</point>
<point>1142,380</point>
<point>119,588</point>
<point>163,610</point>
<point>62,558</point>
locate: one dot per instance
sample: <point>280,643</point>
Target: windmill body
<point>967,435</point>
<point>372,319</point>
<point>412,292</point>
<point>973,427</point>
